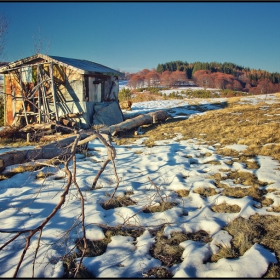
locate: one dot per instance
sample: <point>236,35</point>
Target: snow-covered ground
<point>178,108</point>
<point>172,165</point>
<point>179,89</point>
<point>123,84</point>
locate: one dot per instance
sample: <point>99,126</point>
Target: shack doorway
<point>95,90</point>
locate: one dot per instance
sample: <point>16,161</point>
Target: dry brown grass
<point>43,175</point>
<point>235,124</point>
<point>10,133</point>
<point>145,96</point>
<point>246,232</point>
<point>117,201</point>
<point>158,272</point>
<point>224,252</point>
<point>159,208</point>
<point>274,208</point>
<point>95,248</point>
<point>205,192</point>
<point>23,168</point>
<point>182,193</point>
<point>249,161</point>
<point>273,271</point>
<point>15,143</point>
<point>226,208</point>
<point>266,202</point>
<point>257,229</point>
<point>219,177</point>
<point>149,143</point>
<point>239,192</point>
<point>168,251</point>
<point>245,178</point>
<point>214,162</point>
<point>19,169</point>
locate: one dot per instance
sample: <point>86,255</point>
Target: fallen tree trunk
<point>149,118</point>
<point>63,147</point>
<point>55,149</point>
<point>45,152</point>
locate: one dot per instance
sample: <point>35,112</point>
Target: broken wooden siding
<point>58,90</point>
<point>13,99</point>
<point>69,84</point>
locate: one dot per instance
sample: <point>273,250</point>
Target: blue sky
<point>130,36</point>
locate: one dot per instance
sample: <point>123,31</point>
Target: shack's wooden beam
<point>38,126</point>
<point>22,95</point>
<point>53,91</point>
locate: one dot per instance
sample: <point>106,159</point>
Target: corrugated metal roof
<point>81,65</point>
<point>86,65</point>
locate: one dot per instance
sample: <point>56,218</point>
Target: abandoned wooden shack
<point>44,88</point>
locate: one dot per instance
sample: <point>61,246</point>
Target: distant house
<point>43,88</point>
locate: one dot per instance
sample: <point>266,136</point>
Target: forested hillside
<point>208,75</point>
<point>226,68</point>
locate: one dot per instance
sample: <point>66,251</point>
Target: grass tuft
<point>266,202</point>
<point>43,175</point>
<point>168,251</point>
<point>118,201</point>
<point>260,229</point>
<point>159,208</point>
<point>182,193</point>
<point>95,248</point>
<point>239,192</point>
<point>158,272</point>
<point>226,208</point>
<point>274,209</point>
<point>205,192</point>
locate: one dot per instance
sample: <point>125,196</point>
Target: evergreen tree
<point>160,68</point>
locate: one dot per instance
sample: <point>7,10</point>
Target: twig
<point>157,189</point>
<point>56,208</point>
<point>83,217</point>
<point>99,173</point>
<point>37,248</point>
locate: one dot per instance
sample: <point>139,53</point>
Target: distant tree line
<point>227,68</point>
<point>151,78</point>
<point>207,75</point>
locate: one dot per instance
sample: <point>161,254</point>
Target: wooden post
<point>21,91</point>
<point>44,100</point>
<point>39,95</point>
<point>28,137</point>
<point>53,91</point>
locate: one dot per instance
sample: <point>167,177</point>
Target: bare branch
<point>157,189</point>
<point>83,217</point>
<point>4,25</point>
<point>39,42</point>
<point>99,173</point>
<point>57,207</point>
<point>36,251</point>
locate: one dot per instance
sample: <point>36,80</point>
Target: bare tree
<point>68,154</point>
<point>4,25</point>
<point>40,42</point>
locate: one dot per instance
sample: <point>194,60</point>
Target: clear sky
<point>130,36</point>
